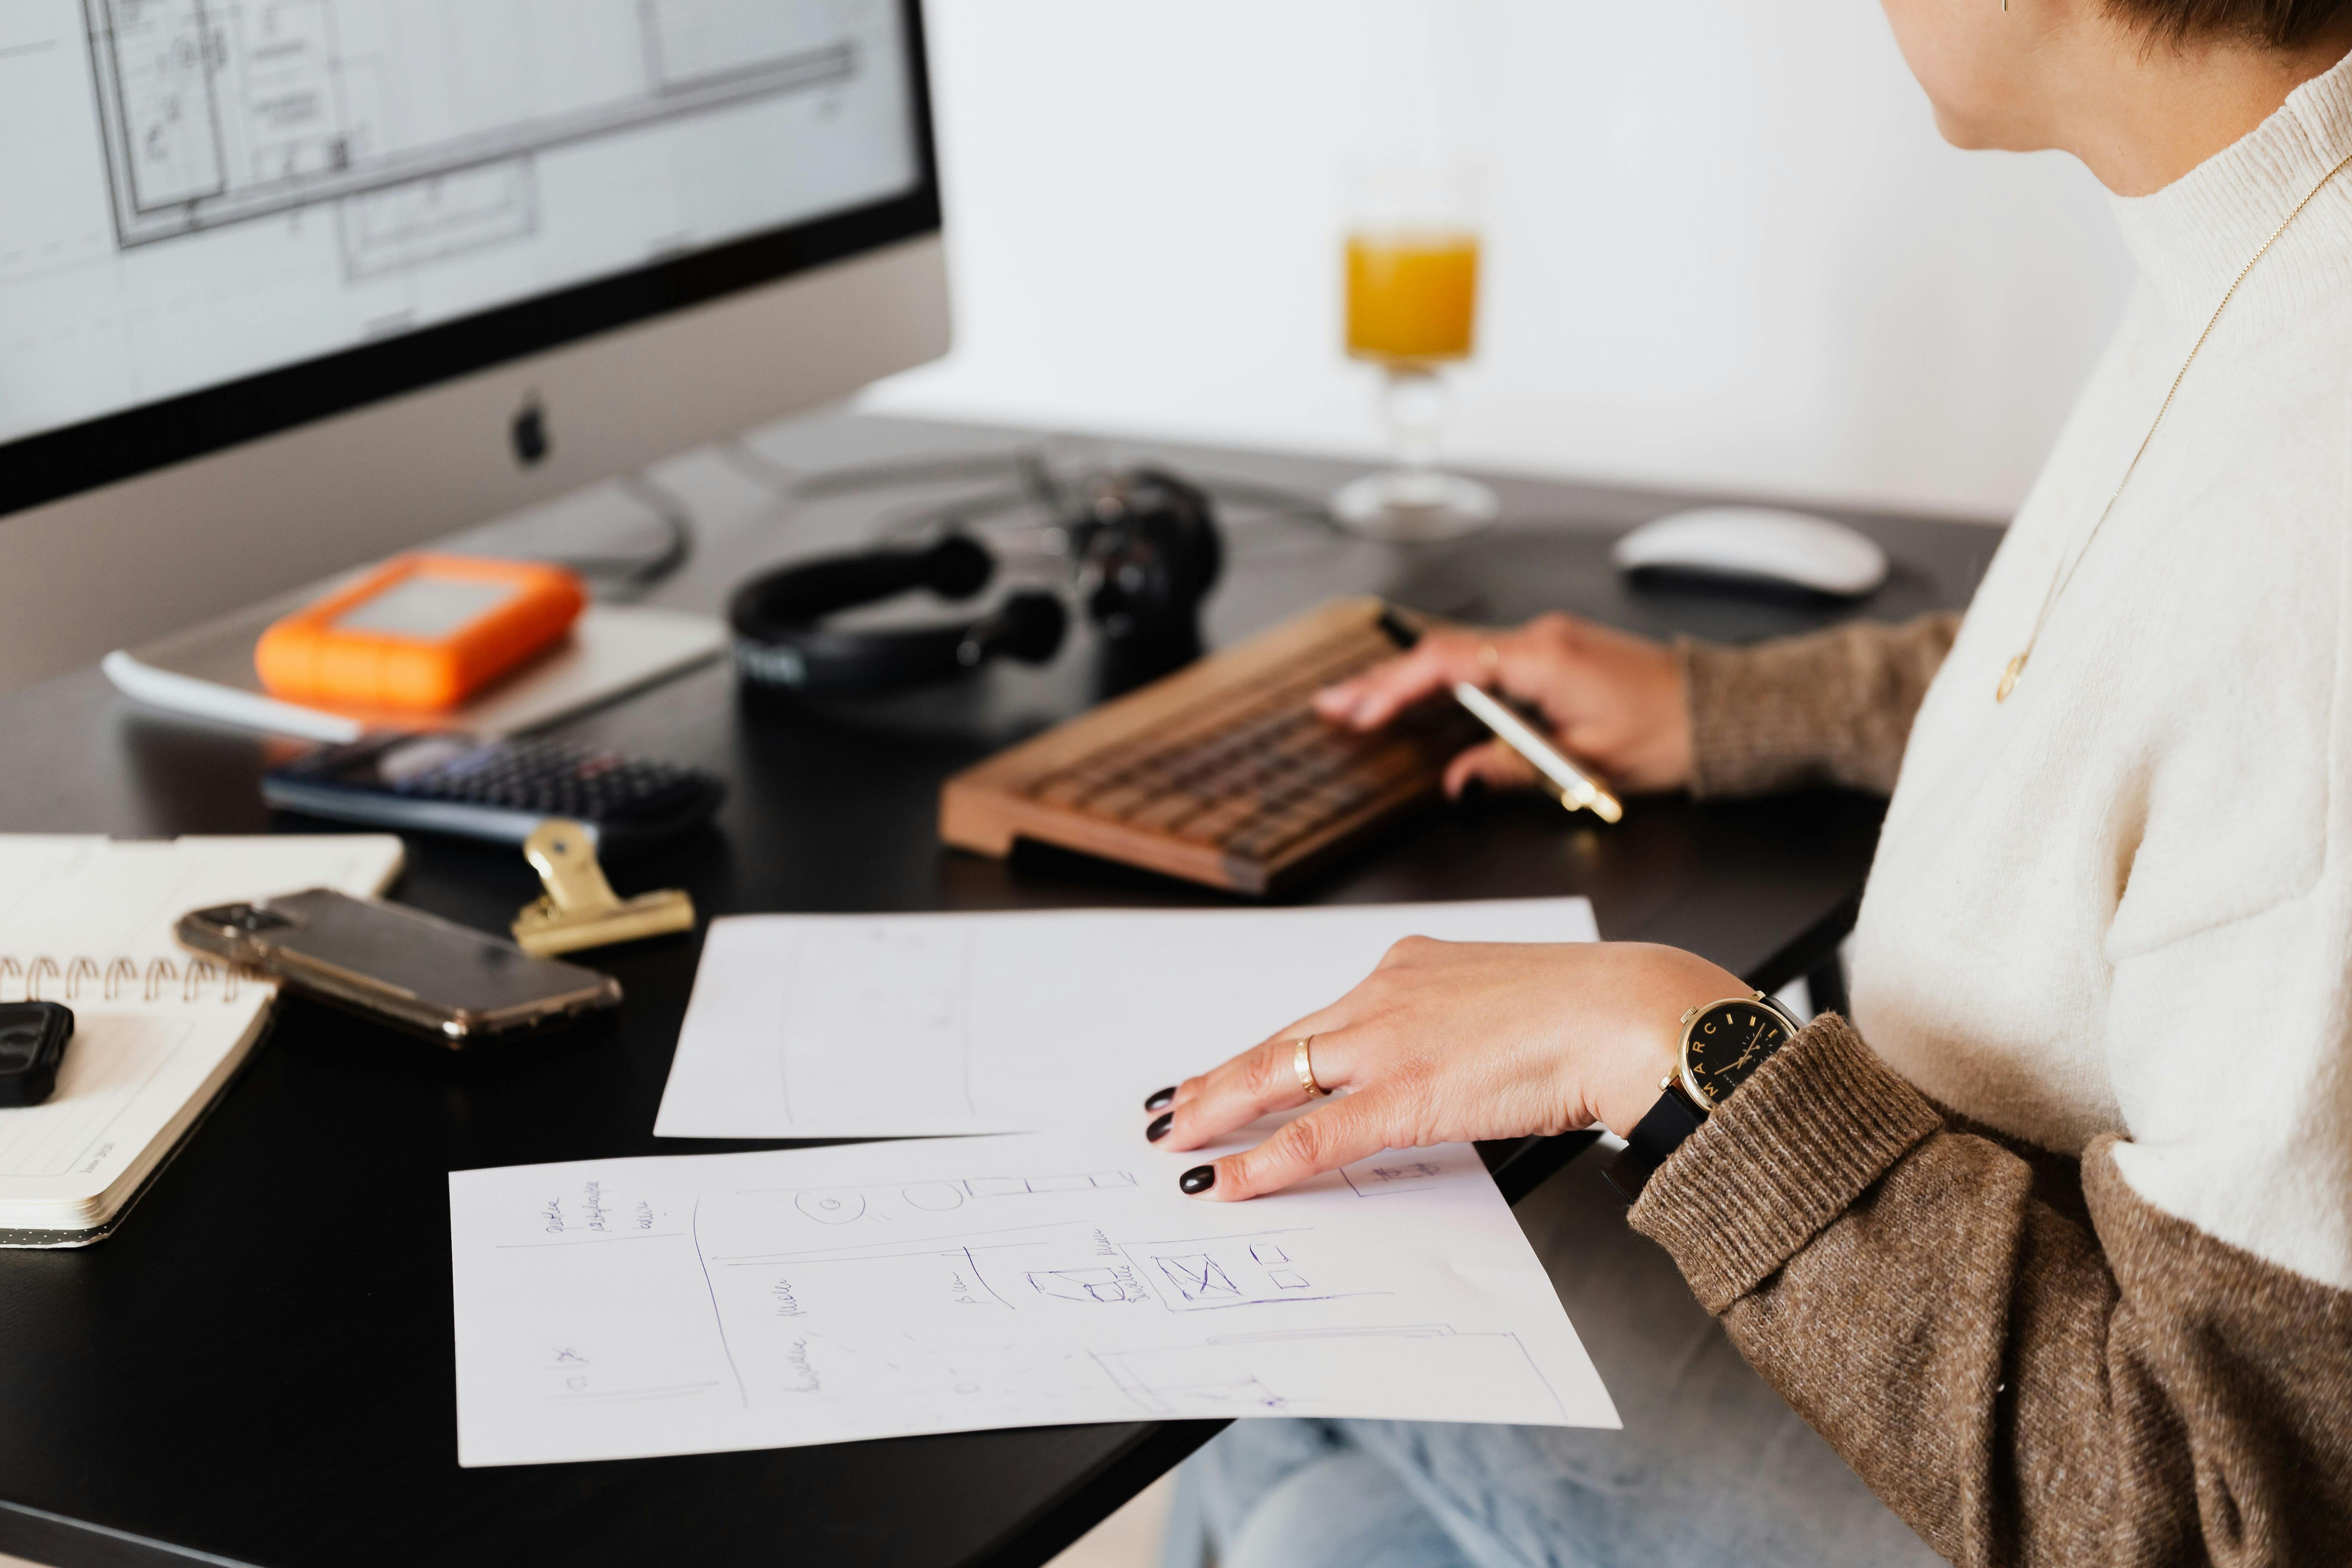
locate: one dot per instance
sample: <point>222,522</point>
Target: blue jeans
<point>1712,1467</point>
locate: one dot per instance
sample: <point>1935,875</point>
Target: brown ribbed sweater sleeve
<point>1831,706</point>
<point>2020,1387</point>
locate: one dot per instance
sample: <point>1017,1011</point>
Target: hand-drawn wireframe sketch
<point>832,1206</point>
<point>1198,1277</point>
<point>1010,1186</point>
<point>1108,1285</point>
<point>1086,1260</point>
<point>890,1205</point>
<point>1279,1374</point>
<point>697,1303</point>
<point>1229,1271</point>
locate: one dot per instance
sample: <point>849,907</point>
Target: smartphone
<point>401,965</point>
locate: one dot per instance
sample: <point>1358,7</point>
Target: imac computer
<point>285,285</point>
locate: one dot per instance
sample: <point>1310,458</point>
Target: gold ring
<point>1305,1067</point>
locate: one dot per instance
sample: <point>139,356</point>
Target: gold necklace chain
<point>2059,581</point>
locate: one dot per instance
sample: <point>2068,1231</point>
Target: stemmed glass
<point>1412,308</point>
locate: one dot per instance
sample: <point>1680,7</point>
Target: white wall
<point>1726,247</point>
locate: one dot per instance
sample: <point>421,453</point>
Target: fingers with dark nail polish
<point>1159,1129</point>
<point>1162,1099</point>
<point>1197,1180</point>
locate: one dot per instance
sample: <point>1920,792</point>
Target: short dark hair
<point>2280,24</point>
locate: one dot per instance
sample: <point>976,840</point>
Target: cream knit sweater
<point>2121,902</point>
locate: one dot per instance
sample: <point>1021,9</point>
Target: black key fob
<point>33,1037</point>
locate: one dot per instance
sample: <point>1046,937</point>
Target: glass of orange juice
<point>1413,310</point>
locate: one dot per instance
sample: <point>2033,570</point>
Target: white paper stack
<point>899,1025</point>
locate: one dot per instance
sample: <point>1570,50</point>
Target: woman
<point>2052,1242</point>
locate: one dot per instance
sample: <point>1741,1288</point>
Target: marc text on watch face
<point>1729,1041</point>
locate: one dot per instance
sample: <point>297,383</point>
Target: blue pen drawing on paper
<point>888,1204</point>
<point>744,1300</point>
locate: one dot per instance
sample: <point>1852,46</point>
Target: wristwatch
<point>1723,1044</point>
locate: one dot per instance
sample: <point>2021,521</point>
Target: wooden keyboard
<point>1221,772</point>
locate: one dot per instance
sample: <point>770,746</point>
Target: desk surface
<point>257,1369</point>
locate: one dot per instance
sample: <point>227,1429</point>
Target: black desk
<point>257,1369</point>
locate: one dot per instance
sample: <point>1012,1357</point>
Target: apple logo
<point>532,443</point>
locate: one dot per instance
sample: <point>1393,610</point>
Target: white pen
<point>1560,778</point>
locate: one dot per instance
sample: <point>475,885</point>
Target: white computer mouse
<point>1760,544</point>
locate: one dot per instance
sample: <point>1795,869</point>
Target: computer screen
<point>219,218</point>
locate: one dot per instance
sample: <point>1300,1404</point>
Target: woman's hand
<point>1446,1041</point>
<point>1612,700</point>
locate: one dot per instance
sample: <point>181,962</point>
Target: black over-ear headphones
<point>1145,550</point>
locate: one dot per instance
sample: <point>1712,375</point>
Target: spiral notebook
<point>158,1033</point>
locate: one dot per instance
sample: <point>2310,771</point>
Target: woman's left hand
<point>1447,1041</point>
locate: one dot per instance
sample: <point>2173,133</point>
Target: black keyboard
<point>498,790</point>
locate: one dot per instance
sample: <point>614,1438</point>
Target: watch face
<point>1727,1042</point>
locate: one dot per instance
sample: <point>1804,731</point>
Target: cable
<point>676,516</point>
<point>632,575</point>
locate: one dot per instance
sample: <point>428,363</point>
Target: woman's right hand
<point>1612,700</point>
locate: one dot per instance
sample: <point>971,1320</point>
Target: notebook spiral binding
<point>83,979</point>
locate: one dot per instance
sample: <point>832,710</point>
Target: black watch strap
<point>1659,1134</point>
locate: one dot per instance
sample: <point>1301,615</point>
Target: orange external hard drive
<point>418,632</point>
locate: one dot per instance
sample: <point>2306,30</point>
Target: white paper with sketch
<point>612,1309</point>
<point>900,1026</point>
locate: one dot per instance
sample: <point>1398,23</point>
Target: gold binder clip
<point>581,910</point>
